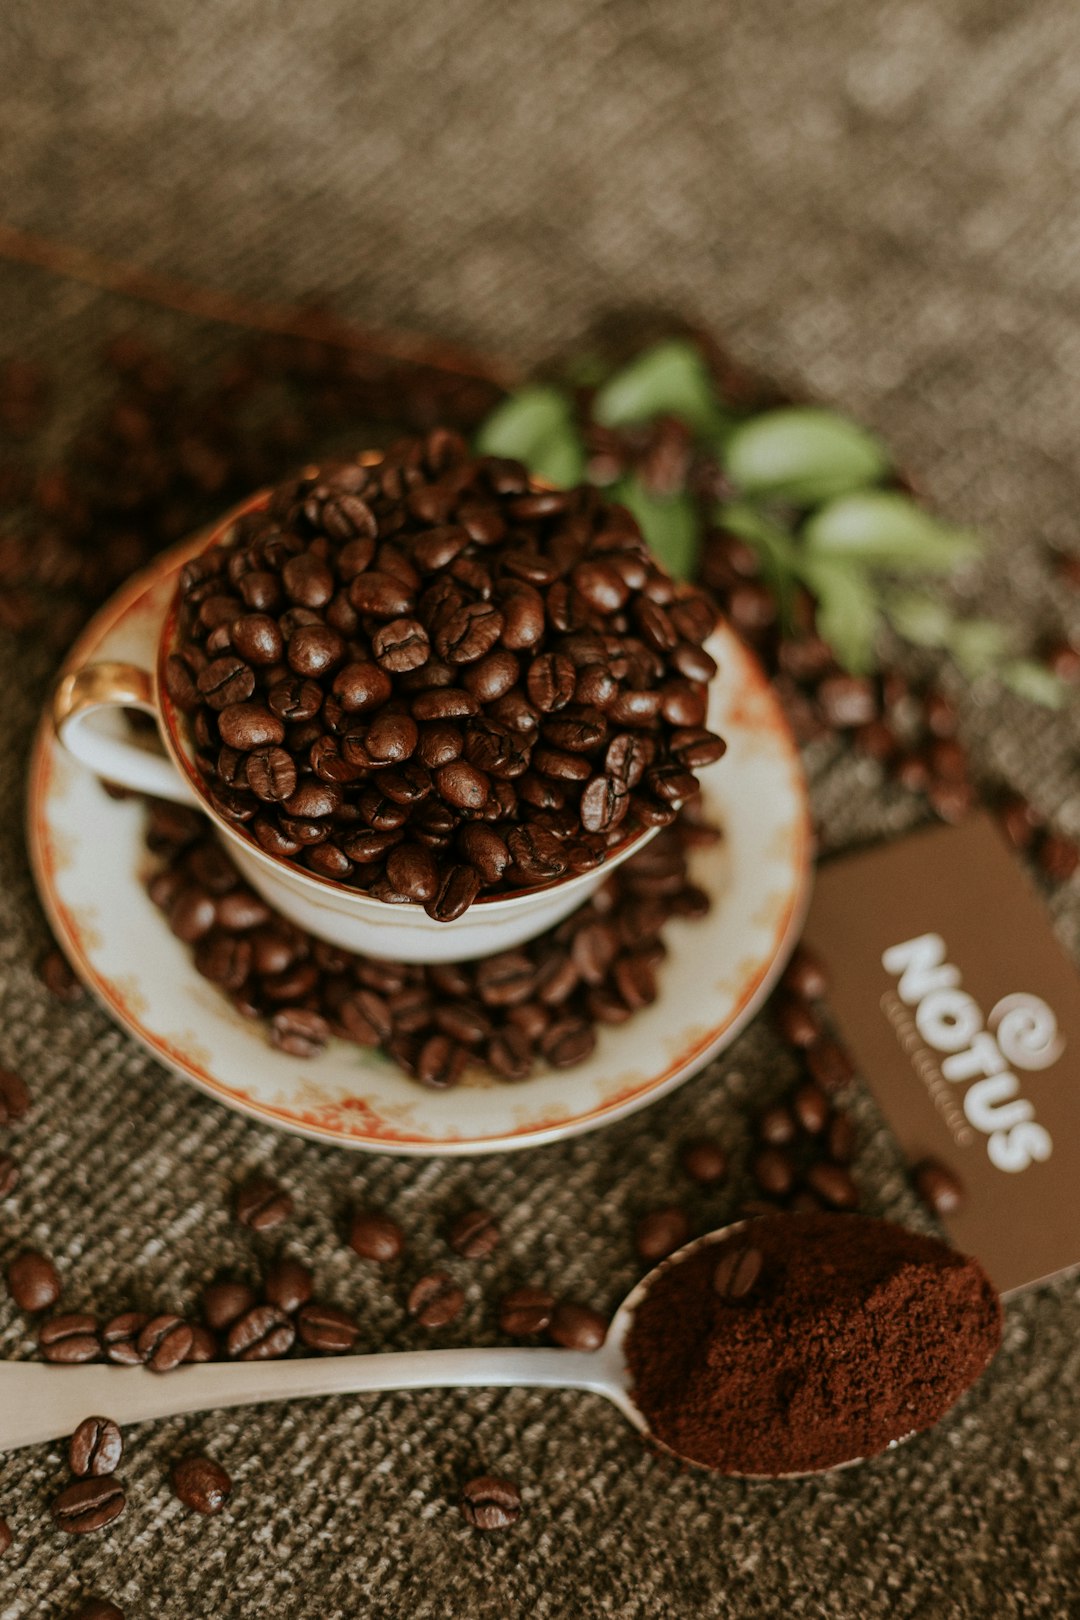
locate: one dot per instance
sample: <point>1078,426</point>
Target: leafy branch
<point>813,494</point>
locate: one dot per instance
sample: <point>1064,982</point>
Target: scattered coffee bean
<point>288,1285</point>
<point>661,1232</point>
<point>777,1126</point>
<point>69,1339</point>
<point>6,1536</point>
<point>526,1311</point>
<point>33,1281</point>
<point>56,974</point>
<point>940,1189</point>
<point>774,1172</point>
<point>737,1272</point>
<point>833,1185</point>
<point>577,1327</point>
<point>262,1334</point>
<point>811,1107</point>
<point>96,1608</point>
<point>435,1300</point>
<point>797,1021</point>
<point>224,1300</point>
<point>491,1503</point>
<point>96,1447</point>
<point>89,1504</point>
<point>14,1097</point>
<point>201,1484</point>
<point>475,1234</point>
<point>1058,857</point>
<point>204,1345</point>
<point>322,1327</point>
<point>375,1236</point>
<point>704,1160</point>
<point>805,975</point>
<point>262,1204</point>
<point>829,1064</point>
<point>120,1337</point>
<point>164,1342</point>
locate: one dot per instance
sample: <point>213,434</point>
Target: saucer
<point>90,865</point>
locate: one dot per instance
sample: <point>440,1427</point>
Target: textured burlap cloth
<point>877,202</point>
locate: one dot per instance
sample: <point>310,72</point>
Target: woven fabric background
<point>877,202</point>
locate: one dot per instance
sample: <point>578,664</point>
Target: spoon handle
<point>46,1403</point>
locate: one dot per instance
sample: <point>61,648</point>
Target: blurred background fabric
<point>876,203</point>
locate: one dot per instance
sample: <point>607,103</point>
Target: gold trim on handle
<point>97,684</point>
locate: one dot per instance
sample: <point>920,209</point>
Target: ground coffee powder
<point>852,1334</point>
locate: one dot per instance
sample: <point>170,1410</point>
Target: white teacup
<point>87,715</point>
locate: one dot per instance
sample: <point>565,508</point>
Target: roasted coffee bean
<point>704,1160</point>
<point>250,725</point>
<point>95,1448</point>
<point>98,1609</point>
<point>811,1107</point>
<point>829,1064</point>
<point>324,1328</point>
<point>262,1203</point>
<point>1058,857</point>
<point>120,1338</point>
<point>738,1272</point>
<point>833,1185</point>
<point>14,1096</point>
<point>491,1503</point>
<point>258,639</point>
<point>774,1172</point>
<point>840,1139</point>
<point>294,699</point>
<point>458,888</point>
<point>604,803</point>
<point>69,1339</point>
<point>375,1236</point>
<point>33,1281</point>
<point>797,1022</point>
<point>1021,822</point>
<point>164,1342</point>
<point>475,1234</point>
<point>261,1334</point>
<point>226,680</point>
<point>412,870</point>
<point>805,975</point>
<point>550,681</point>
<point>224,1300</point>
<point>435,1300</point>
<point>299,1031</point>
<point>660,1233</point>
<point>776,1126</point>
<point>526,1311</point>
<point>314,650</point>
<point>201,1484</point>
<point>204,1346</point>
<point>577,1327</point>
<point>509,1054</point>
<point>400,645</point>
<point>569,1041</point>
<point>89,1504</point>
<point>271,774</point>
<point>439,1062</point>
<point>288,1285</point>
<point>940,1188</point>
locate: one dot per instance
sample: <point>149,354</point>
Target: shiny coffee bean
<point>577,1327</point>
<point>525,1312</point>
<point>474,1234</point>
<point>375,1236</point>
<point>95,1448</point>
<point>491,1503</point>
<point>33,1281</point>
<point>660,1233</point>
<point>262,1204</point>
<point>326,1329</point>
<point>435,1300</point>
<point>833,1185</point>
<point>262,1333</point>
<point>120,1338</point>
<point>70,1339</point>
<point>704,1160</point>
<point>940,1188</point>
<point>201,1484</point>
<point>164,1343</point>
<point>89,1505</point>
<point>738,1272</point>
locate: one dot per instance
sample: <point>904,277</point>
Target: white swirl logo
<point>1026,1032</point>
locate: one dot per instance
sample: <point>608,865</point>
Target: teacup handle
<point>87,719</point>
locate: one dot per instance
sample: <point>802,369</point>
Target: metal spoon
<point>39,1403</point>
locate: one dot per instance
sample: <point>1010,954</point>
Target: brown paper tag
<point>963,1015</point>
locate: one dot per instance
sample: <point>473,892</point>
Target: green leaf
<point>668,522</point>
<point>1033,681</point>
<point>536,425</point>
<point>670,379</point>
<point>775,547</point>
<point>848,612</point>
<point>978,645</point>
<point>886,530</point>
<point>922,620</point>
<point>803,454</point>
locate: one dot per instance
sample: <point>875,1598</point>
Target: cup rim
<point>171,730</point>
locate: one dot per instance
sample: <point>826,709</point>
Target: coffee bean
<point>271,774</point>
<point>226,680</point>
<point>567,1042</point>
<point>805,975</point>
<point>294,699</point>
<point>797,1022</point>
<point>846,701</point>
<point>262,1204</point>
<point>375,1236</point>
<point>322,1327</point>
<point>1021,822</point>
<point>940,1189</point>
<point>33,1281</point>
<point>840,1139</point>
<point>98,1609</point>
<point>204,1346</point>
<point>829,1064</point>
<point>577,1327</point>
<point>526,1311</point>
<point>69,1339</point>
<point>57,975</point>
<point>475,1234</point>
<point>491,1503</point>
<point>833,1185</point>
<point>811,1108</point>
<point>457,890</point>
<point>164,1342</point>
<point>435,1300</point>
<point>223,1301</point>
<point>738,1272</point>
<point>660,1233</point>
<point>201,1484</point>
<point>400,645</point>
<point>262,1333</point>
<point>314,650</point>
<point>288,1285</point>
<point>258,639</point>
<point>120,1336</point>
<point>89,1504</point>
<point>95,1448</point>
<point>1058,857</point>
<point>14,1097</point>
<point>704,1160</point>
<point>604,803</point>
<point>777,1126</point>
<point>774,1172</point>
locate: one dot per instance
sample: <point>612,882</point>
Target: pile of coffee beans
<point>420,675</point>
<point>540,1003</point>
